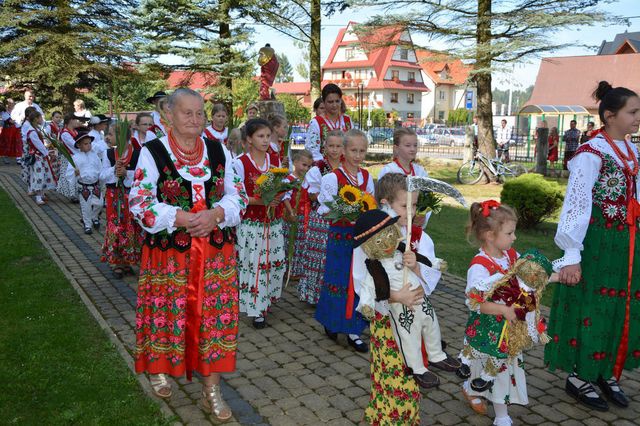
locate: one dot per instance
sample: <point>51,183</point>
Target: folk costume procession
<point>217,221</point>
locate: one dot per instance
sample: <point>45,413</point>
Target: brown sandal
<point>161,387</point>
<point>214,404</point>
<point>479,407</point>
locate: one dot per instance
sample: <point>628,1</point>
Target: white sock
<point>259,319</point>
<point>354,337</point>
<point>613,384</point>
<point>575,381</point>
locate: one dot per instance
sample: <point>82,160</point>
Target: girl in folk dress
<point>142,134</point>
<point>67,182</point>
<point>10,141</point>
<point>122,237</point>
<point>314,254</point>
<point>297,208</point>
<point>261,254</point>
<point>280,128</point>
<point>218,129</point>
<point>493,226</point>
<point>24,151</point>
<point>333,119</point>
<point>333,307</point>
<point>41,176</point>
<point>593,324</point>
<point>405,149</point>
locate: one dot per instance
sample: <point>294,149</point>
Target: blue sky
<point>524,74</point>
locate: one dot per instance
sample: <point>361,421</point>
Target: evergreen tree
<point>203,34</point>
<point>285,72</point>
<point>64,45</point>
<point>486,32</point>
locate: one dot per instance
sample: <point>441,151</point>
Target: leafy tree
<point>518,98</point>
<point>487,32</point>
<point>60,46</point>
<point>285,72</point>
<point>126,93</point>
<point>302,68</point>
<point>296,112</point>
<point>245,91</point>
<point>458,116</point>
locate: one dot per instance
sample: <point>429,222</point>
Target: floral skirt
<point>297,265</point>
<point>586,321</point>
<point>332,306</point>
<point>10,142</point>
<point>40,176</point>
<point>123,235</point>
<point>314,257</point>
<point>261,265</point>
<point>509,381</point>
<point>161,319</point>
<point>395,396</point>
<point>66,187</point>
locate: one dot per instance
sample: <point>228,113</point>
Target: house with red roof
<point>198,81</point>
<point>379,65</point>
<point>564,85</point>
<point>449,87</point>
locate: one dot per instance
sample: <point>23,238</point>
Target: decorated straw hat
<point>369,223</point>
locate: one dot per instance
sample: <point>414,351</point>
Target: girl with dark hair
<point>333,119</point>
<point>261,255</point>
<point>40,170</point>
<point>592,314</point>
<point>218,129</point>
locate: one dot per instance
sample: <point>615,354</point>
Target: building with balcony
<point>449,88</point>
<point>379,65</point>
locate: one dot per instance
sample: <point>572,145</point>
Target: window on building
<point>394,97</point>
<point>412,76</point>
<point>410,115</point>
<point>404,54</point>
<point>335,75</point>
<point>395,74</point>
<point>440,115</point>
<point>409,98</point>
<point>344,75</point>
<point>349,53</point>
<point>442,95</point>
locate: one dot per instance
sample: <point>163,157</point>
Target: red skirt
<point>161,312</point>
<point>10,142</point>
<point>123,236</point>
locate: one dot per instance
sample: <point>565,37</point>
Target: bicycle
<point>472,171</point>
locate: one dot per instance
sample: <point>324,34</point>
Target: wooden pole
<point>405,272</point>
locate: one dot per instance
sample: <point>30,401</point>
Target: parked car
<point>449,136</point>
<point>298,135</point>
<point>380,135</point>
<point>431,128</point>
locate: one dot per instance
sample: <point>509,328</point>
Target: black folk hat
<point>158,95</point>
<point>369,223</point>
<point>80,136</point>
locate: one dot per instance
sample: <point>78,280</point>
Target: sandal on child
<point>161,387</point>
<point>214,404</point>
<point>477,404</point>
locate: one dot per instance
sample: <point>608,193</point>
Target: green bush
<point>533,197</point>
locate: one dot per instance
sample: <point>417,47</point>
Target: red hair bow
<point>489,205</point>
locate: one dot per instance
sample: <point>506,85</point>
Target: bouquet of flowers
<point>272,183</point>
<point>350,203</point>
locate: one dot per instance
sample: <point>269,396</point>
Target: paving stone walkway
<point>290,373</point>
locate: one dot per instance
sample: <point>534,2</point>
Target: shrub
<point>533,197</point>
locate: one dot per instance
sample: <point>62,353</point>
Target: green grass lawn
<point>57,366</point>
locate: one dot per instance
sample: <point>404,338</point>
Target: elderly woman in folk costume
<point>333,119</point>
<point>187,198</point>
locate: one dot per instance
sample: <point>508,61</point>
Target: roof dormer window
<point>404,54</point>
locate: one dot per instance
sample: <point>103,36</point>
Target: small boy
<point>302,162</point>
<point>87,173</point>
<point>391,196</point>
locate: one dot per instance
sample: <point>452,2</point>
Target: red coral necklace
<point>184,156</point>
<point>624,158</point>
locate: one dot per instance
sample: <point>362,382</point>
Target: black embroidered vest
<point>172,189</point>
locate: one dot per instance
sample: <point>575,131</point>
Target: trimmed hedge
<point>533,197</point>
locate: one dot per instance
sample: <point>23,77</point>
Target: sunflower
<point>261,179</point>
<point>368,202</point>
<point>279,171</point>
<point>350,194</point>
